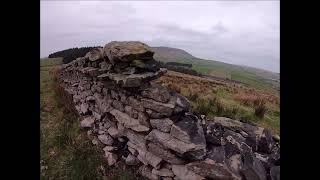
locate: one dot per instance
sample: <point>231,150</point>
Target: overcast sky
<point>237,32</point>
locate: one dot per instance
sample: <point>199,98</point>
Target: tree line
<point>71,54</point>
<point>180,67</point>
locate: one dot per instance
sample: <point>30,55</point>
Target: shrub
<point>193,96</point>
<point>217,105</point>
<point>213,107</point>
<point>174,87</point>
<point>260,107</point>
<point>247,100</point>
<point>202,106</point>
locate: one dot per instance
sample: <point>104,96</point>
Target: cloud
<point>239,32</point>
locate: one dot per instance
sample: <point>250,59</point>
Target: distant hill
<point>258,78</point>
<point>167,54</point>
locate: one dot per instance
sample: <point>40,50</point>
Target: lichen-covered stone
<point>127,51</point>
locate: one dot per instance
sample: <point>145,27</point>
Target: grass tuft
<point>260,107</point>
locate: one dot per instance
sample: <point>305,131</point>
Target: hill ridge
<point>258,78</point>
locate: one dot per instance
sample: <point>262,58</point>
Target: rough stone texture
<point>188,129</point>
<point>217,154</point>
<point>163,172</point>
<point>157,93</point>
<point>145,123</point>
<point>96,115</point>
<point>211,170</point>
<point>131,80</point>
<point>108,148</point>
<point>154,114</point>
<point>132,160</point>
<point>266,142</point>
<point>105,139</point>
<point>95,54</point>
<point>182,102</point>
<point>143,119</point>
<point>214,133</point>
<point>164,154</point>
<point>114,132</point>
<point>118,105</point>
<point>166,140</point>
<point>149,158</point>
<point>146,172</point>
<point>167,178</point>
<point>87,122</point>
<point>275,173</point>
<point>133,151</point>
<point>235,163</point>
<point>127,51</point>
<point>84,109</point>
<point>131,112</point>
<point>111,158</point>
<point>128,122</point>
<point>135,104</point>
<point>136,141</point>
<point>163,125</point>
<point>159,107</point>
<point>182,173</point>
<point>253,168</point>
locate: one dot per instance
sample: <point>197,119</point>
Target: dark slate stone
<point>216,153</point>
<point>275,173</point>
<point>157,93</point>
<point>266,142</point>
<point>192,127</point>
<point>252,168</point>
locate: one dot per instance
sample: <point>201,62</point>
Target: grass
<point>66,151</point>
<point>255,78</point>
<point>213,98</point>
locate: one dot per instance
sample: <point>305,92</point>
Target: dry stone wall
<point>149,126</point>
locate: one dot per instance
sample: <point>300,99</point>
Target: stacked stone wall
<point>150,126</point>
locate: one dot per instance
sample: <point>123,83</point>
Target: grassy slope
<point>213,98</point>
<point>255,77</point>
<point>66,151</point>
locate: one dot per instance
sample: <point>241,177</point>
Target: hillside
<point>258,78</point>
<point>234,100</point>
<point>167,54</point>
